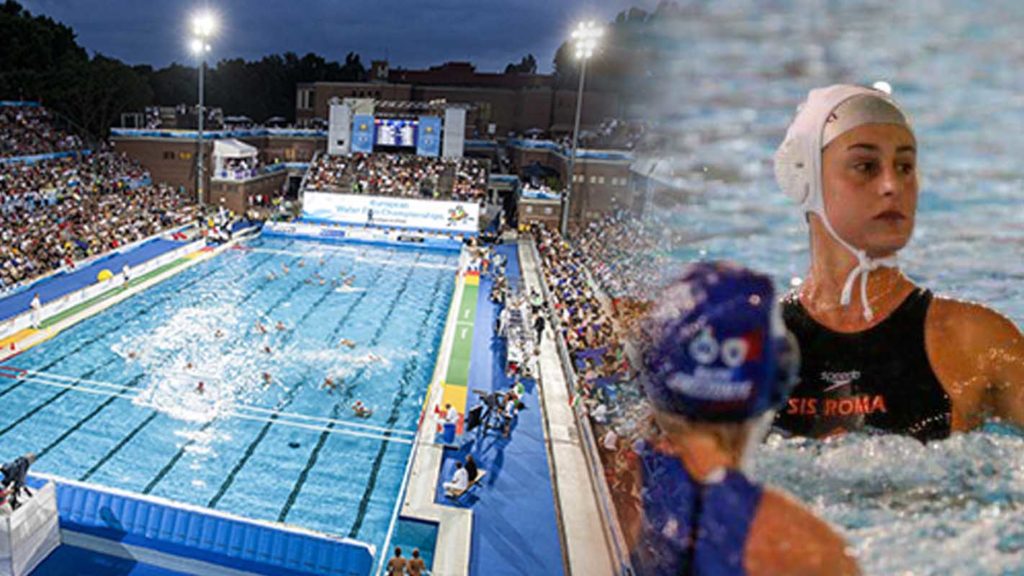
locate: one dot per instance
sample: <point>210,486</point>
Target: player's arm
<point>979,357</point>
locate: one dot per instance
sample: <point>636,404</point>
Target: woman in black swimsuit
<point>877,351</point>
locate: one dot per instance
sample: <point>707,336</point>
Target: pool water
<point>114,400</point>
<point>734,72</point>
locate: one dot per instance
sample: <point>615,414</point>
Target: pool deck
<point>49,327</point>
<point>530,515</point>
<point>455,525</point>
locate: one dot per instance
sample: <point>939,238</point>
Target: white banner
<point>388,211</point>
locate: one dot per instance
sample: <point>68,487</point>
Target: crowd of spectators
<point>625,255</point>
<point>405,175</point>
<point>57,211</point>
<point>29,130</point>
<point>597,327</point>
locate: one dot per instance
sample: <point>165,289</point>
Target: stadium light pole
<point>204,25</point>
<point>585,38</point>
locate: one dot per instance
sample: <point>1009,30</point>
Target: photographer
<point>14,474</point>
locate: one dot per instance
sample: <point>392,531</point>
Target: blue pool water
<point>113,399</point>
<point>736,70</point>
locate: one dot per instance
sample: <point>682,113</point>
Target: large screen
<point>396,132</point>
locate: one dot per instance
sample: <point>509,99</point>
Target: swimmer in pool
<point>330,385</point>
<point>189,366</point>
<point>267,350</point>
<point>200,387</point>
<point>302,264</point>
<point>280,326</point>
<point>260,327</point>
<point>218,333</point>
<point>347,342</point>
<point>132,355</point>
<point>284,268</point>
<point>271,276</point>
<point>717,363</point>
<point>361,410</point>
<point>879,352</point>
<point>267,378</point>
<point>350,281</point>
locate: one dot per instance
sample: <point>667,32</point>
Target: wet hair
<point>398,551</point>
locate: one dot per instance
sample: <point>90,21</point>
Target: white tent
<point>235,149</point>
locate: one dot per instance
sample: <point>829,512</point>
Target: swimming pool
<point>738,69</point>
<point>114,400</point>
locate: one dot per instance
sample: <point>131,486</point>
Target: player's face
<point>869,175</point>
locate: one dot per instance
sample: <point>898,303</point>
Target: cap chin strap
<point>865,266</point>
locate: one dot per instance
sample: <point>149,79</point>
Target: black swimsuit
<point>880,378</point>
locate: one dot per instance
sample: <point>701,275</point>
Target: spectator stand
<point>610,522</point>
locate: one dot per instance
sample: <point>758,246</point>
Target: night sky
<point>409,33</point>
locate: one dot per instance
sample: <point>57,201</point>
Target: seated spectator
<point>459,481</point>
<point>471,469</point>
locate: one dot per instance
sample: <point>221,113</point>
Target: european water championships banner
<point>362,133</point>
<point>429,137</point>
<point>359,209</point>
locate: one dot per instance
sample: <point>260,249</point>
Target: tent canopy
<point>232,148</point>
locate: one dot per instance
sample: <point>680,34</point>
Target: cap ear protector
<point>795,167</point>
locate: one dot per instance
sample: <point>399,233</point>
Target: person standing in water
<point>877,351</point>
<point>717,363</point>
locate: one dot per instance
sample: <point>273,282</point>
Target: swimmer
<point>371,357</point>
<point>330,385</point>
<point>271,276</point>
<point>189,366</point>
<point>301,263</point>
<point>308,281</point>
<point>267,349</point>
<point>260,327</point>
<point>322,281</point>
<point>200,387</point>
<point>877,350</point>
<point>361,410</point>
<point>218,333</point>
<point>347,342</point>
<point>132,355</point>
<point>284,268</point>
<point>267,378</point>
<point>349,281</point>
<point>280,326</point>
<point>693,470</point>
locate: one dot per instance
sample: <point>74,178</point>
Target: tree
<point>528,65</point>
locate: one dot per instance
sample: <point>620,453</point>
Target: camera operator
<point>13,484</point>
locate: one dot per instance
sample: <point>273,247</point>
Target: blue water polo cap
<point>716,349</point>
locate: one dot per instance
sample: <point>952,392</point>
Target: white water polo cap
<point>825,115</point>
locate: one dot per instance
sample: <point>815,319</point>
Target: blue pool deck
<point>64,283</point>
<point>515,526</point>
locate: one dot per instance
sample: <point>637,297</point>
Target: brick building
<point>504,102</point>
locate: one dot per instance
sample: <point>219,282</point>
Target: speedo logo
<point>837,379</point>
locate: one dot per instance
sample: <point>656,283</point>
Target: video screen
<point>396,133</point>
